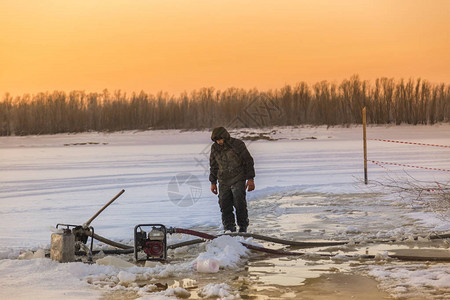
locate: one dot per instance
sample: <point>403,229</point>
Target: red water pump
<point>152,241</point>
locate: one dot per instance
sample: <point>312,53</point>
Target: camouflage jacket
<point>231,162</point>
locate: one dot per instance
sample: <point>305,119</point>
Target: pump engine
<point>152,242</point>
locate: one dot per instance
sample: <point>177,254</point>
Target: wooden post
<point>365,144</point>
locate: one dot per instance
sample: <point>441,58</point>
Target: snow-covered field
<point>308,186</point>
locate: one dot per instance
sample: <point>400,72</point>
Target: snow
<point>221,290</point>
<point>413,280</point>
<point>46,279</point>
<point>51,179</point>
<point>114,261</point>
<point>126,277</point>
<point>227,250</point>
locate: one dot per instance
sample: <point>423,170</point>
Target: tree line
<point>387,102</point>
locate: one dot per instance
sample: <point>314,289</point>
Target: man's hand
<point>250,185</point>
<point>214,188</point>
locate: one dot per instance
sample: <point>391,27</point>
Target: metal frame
<point>136,246</point>
<point>73,226</point>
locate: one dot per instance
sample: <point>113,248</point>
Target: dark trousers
<point>233,196</point>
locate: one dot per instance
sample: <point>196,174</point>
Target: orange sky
<point>174,46</point>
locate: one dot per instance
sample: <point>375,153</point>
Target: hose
<point>106,251</point>
<point>321,244</point>
<point>286,242</point>
<point>185,243</point>
<point>439,236</point>
<point>125,248</point>
<point>289,253</point>
<point>248,246</point>
<point>109,242</point>
<point>202,235</point>
<point>194,233</point>
<point>253,235</point>
<point>244,234</point>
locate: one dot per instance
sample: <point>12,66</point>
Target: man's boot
<point>231,228</point>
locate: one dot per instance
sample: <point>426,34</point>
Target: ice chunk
<point>352,229</point>
<point>126,277</point>
<point>26,255</point>
<point>215,290</point>
<point>152,264</point>
<point>39,254</point>
<point>115,262</point>
<point>177,292</point>
<point>382,256</point>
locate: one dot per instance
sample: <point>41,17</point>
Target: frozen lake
<point>308,187</point>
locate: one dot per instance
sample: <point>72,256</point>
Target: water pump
<point>152,242</point>
<point>63,244</point>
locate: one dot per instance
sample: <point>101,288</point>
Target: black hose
<point>253,235</point>
<point>248,246</point>
<point>286,242</point>
<point>202,235</point>
<point>289,253</point>
<point>302,245</point>
<point>185,243</point>
<point>130,249</point>
<point>109,242</point>
<point>439,236</point>
<point>106,251</point>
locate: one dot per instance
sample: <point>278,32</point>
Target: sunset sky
<point>177,46</point>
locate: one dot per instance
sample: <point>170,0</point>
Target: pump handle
<point>86,225</point>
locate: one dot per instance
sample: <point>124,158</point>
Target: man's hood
<point>219,133</point>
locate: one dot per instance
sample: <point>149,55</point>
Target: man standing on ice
<point>232,165</point>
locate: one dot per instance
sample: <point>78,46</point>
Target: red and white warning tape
<point>410,143</point>
<point>380,163</point>
<point>440,188</point>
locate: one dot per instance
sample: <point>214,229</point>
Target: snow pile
<point>40,253</point>
<point>413,281</point>
<point>227,250</point>
<point>21,279</point>
<point>222,290</point>
<point>24,279</point>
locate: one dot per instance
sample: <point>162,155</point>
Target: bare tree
<point>324,103</point>
<point>432,195</point>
